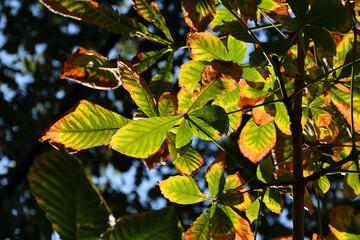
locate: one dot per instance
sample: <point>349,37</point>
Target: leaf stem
<point>251,107</point>
<point>271,22</point>
<point>258,217</point>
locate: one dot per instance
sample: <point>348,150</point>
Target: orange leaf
<point>262,115</point>
<point>224,70</point>
<point>198,14</point>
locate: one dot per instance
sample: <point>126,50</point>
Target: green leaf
<point>323,185</point>
<point>252,75</point>
<point>198,14</point>
<point>346,71</point>
<point>150,132</point>
<point>143,60</point>
<point>282,118</point>
<point>238,31</point>
<point>230,102</point>
<point>203,130</point>
<point>299,7</point>
<point>351,183</point>
<point>256,141</point>
<point>213,89</point>
<point>184,134</point>
<point>221,226</point>
<point>70,200</point>
<point>329,14</point>
<point>268,5</point>
<point>167,105</point>
<point>241,226</point>
<point>288,22</point>
<point>257,58</point>
<point>161,82</point>
<point>205,46</point>
<point>189,75</point>
<point>160,224</point>
<point>323,40</point>
<point>344,222</point>
<point>222,15</point>
<point>199,230</point>
<point>151,13</point>
<point>232,197</point>
<point>137,87</point>
<point>237,49</point>
<point>265,170</point>
<point>252,211</point>
<point>273,200</point>
<point>215,175</point>
<point>84,126</point>
<point>247,8</point>
<point>181,190</point>
<point>91,70</point>
<point>101,15</point>
<point>215,116</point>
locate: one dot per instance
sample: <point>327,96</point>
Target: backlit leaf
<point>184,134</point>
<point>161,82</point>
<point>189,162</point>
<point>237,49</point>
<point>92,70</point>
<point>137,87</point>
<point>247,8</point>
<point>252,75</point>
<point>70,200</point>
<point>203,130</point>
<point>256,141</point>
<point>344,222</point>
<point>328,135</point>
<point>189,75</point>
<point>159,224</point>
<point>241,226</point>
<point>273,200</point>
<point>181,190</point>
<point>268,5</point>
<point>101,15</point>
<point>84,126</point>
<point>151,13</point>
<point>205,46</point>
<point>149,132</point>
<point>351,183</point>
<point>221,226</point>
<point>265,170</point>
<point>167,105</point>
<point>215,175</point>
<point>263,114</point>
<point>226,71</point>
<point>159,157</point>
<point>282,118</point>
<point>253,210</point>
<point>143,60</point>
<point>199,230</point>
<point>322,117</point>
<point>198,14</point>
<point>222,15</point>
<point>323,185</point>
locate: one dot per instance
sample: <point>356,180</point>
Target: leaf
<point>159,224</point>
<point>215,175</point>
<point>226,71</point>
<point>205,46</point>
<point>351,183</point>
<point>346,71</point>
<point>241,226</point>
<point>184,134</point>
<point>150,132</point>
<point>137,87</point>
<point>203,130</point>
<point>322,117</point>
<point>288,22</point>
<point>253,210</point>
<point>238,31</point>
<point>161,82</point>
<point>323,41</point>
<point>237,49</point>
<point>92,70</point>
<point>222,15</point>
<point>257,58</point>
<point>323,185</point>
<point>344,222</point>
<point>329,14</point>
<point>252,75</point>
<point>151,13</point>
<point>273,200</point>
<point>143,60</point>
<point>215,116</point>
<point>83,126</point>
<point>221,226</point>
<point>167,105</point>
<point>256,141</point>
<point>212,90</point>
<point>189,75</point>
<point>189,162</point>
<point>247,8</point>
<point>229,102</point>
<point>282,118</point>
<point>181,190</point>
<point>199,230</point>
<point>268,5</point>
<point>263,114</point>
<point>103,16</point>
<point>265,170</point>
<point>198,14</point>
<point>159,157</point>
<point>299,7</point>
<point>66,193</point>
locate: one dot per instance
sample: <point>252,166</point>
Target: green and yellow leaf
<point>351,183</point>
<point>222,15</point>
<point>189,75</point>
<point>198,14</point>
<point>199,230</point>
<point>237,49</point>
<point>273,200</point>
<point>265,170</point>
<point>143,60</point>
<point>344,222</point>
<point>84,126</point>
<point>282,118</point>
<point>241,226</point>
<point>252,211</point>
<point>167,105</point>
<point>184,134</point>
<point>323,185</point>
<point>215,175</point>
<point>203,130</point>
<point>221,226</point>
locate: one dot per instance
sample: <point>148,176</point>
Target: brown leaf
<point>198,14</point>
<point>283,9</point>
<point>91,69</point>
<point>262,115</point>
<point>224,70</point>
<point>160,157</point>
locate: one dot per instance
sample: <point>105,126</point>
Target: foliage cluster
<point>301,92</point>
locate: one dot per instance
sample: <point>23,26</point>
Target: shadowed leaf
<point>222,15</point>
<point>344,222</point>
<point>221,226</point>
<point>84,126</point>
<point>91,70</point>
<point>273,200</point>
<point>198,14</point>
<point>167,105</point>
<point>161,82</point>
<point>143,60</point>
<point>241,226</point>
<point>199,230</point>
<point>265,170</point>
